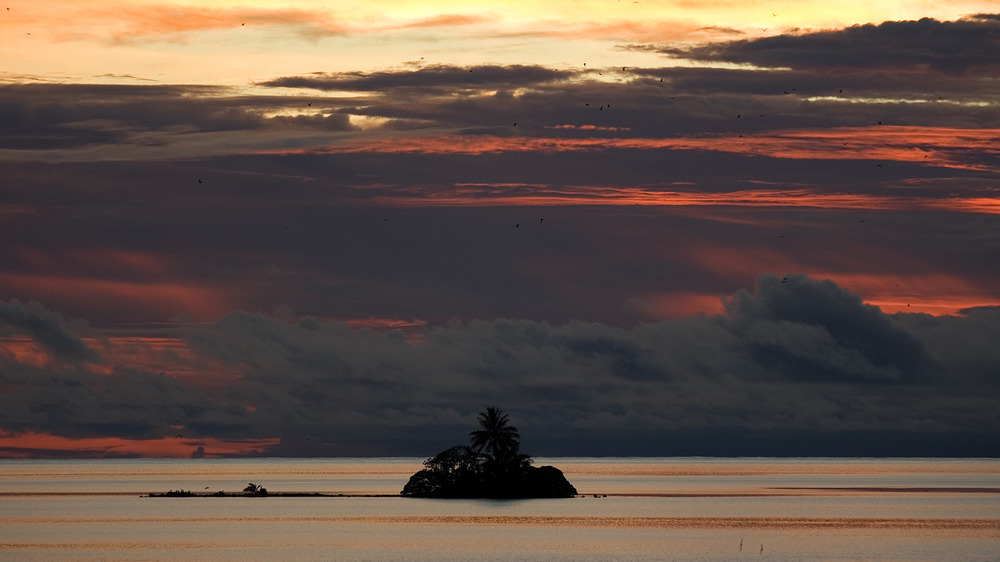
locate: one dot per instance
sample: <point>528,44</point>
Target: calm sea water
<point>645,509</point>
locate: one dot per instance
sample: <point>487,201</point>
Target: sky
<point>653,228</point>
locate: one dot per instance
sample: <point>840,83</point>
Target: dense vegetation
<point>493,467</point>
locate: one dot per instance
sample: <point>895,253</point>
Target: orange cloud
<point>487,195</point>
<point>35,445</point>
<point>634,27</point>
<point>682,304</point>
<point>739,263</point>
<point>24,350</point>
<point>130,21</point>
<point>171,356</point>
<point>589,128</point>
<point>443,20</point>
<point>163,299</point>
<point>936,146</point>
<point>386,323</point>
<point>931,293</point>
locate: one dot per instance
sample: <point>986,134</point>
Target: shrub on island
<point>255,490</point>
<point>493,467</point>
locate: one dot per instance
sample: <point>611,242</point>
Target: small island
<point>492,467</point>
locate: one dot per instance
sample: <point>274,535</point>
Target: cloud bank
<point>552,236</point>
<point>793,360</point>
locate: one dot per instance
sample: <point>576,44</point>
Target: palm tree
<point>496,436</point>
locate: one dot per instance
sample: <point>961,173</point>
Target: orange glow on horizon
<point>933,294</point>
<point>33,445</point>
<point>932,307</point>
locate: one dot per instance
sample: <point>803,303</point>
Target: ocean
<point>627,509</point>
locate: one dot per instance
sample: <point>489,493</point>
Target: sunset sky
<point>641,228</point>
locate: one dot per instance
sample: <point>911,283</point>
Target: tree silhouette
<point>455,472</point>
<point>255,490</point>
<point>496,437</point>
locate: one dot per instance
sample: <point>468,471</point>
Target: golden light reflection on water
<point>554,521</point>
<point>773,467</point>
<point>660,477</point>
<point>647,509</point>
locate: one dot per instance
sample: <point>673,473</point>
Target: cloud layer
<point>795,356</point>
<point>718,241</point>
<point>927,46</point>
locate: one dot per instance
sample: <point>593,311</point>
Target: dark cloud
<point>45,327</point>
<point>817,330</point>
<point>583,385</point>
<point>160,121</point>
<point>331,122</point>
<point>969,46</point>
<point>436,76</point>
<point>958,342</point>
<point>126,403</point>
<point>661,102</point>
<point>782,90</point>
<point>47,116</point>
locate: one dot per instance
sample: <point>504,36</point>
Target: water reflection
<point>694,509</point>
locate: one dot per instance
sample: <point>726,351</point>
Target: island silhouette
<point>493,466</point>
